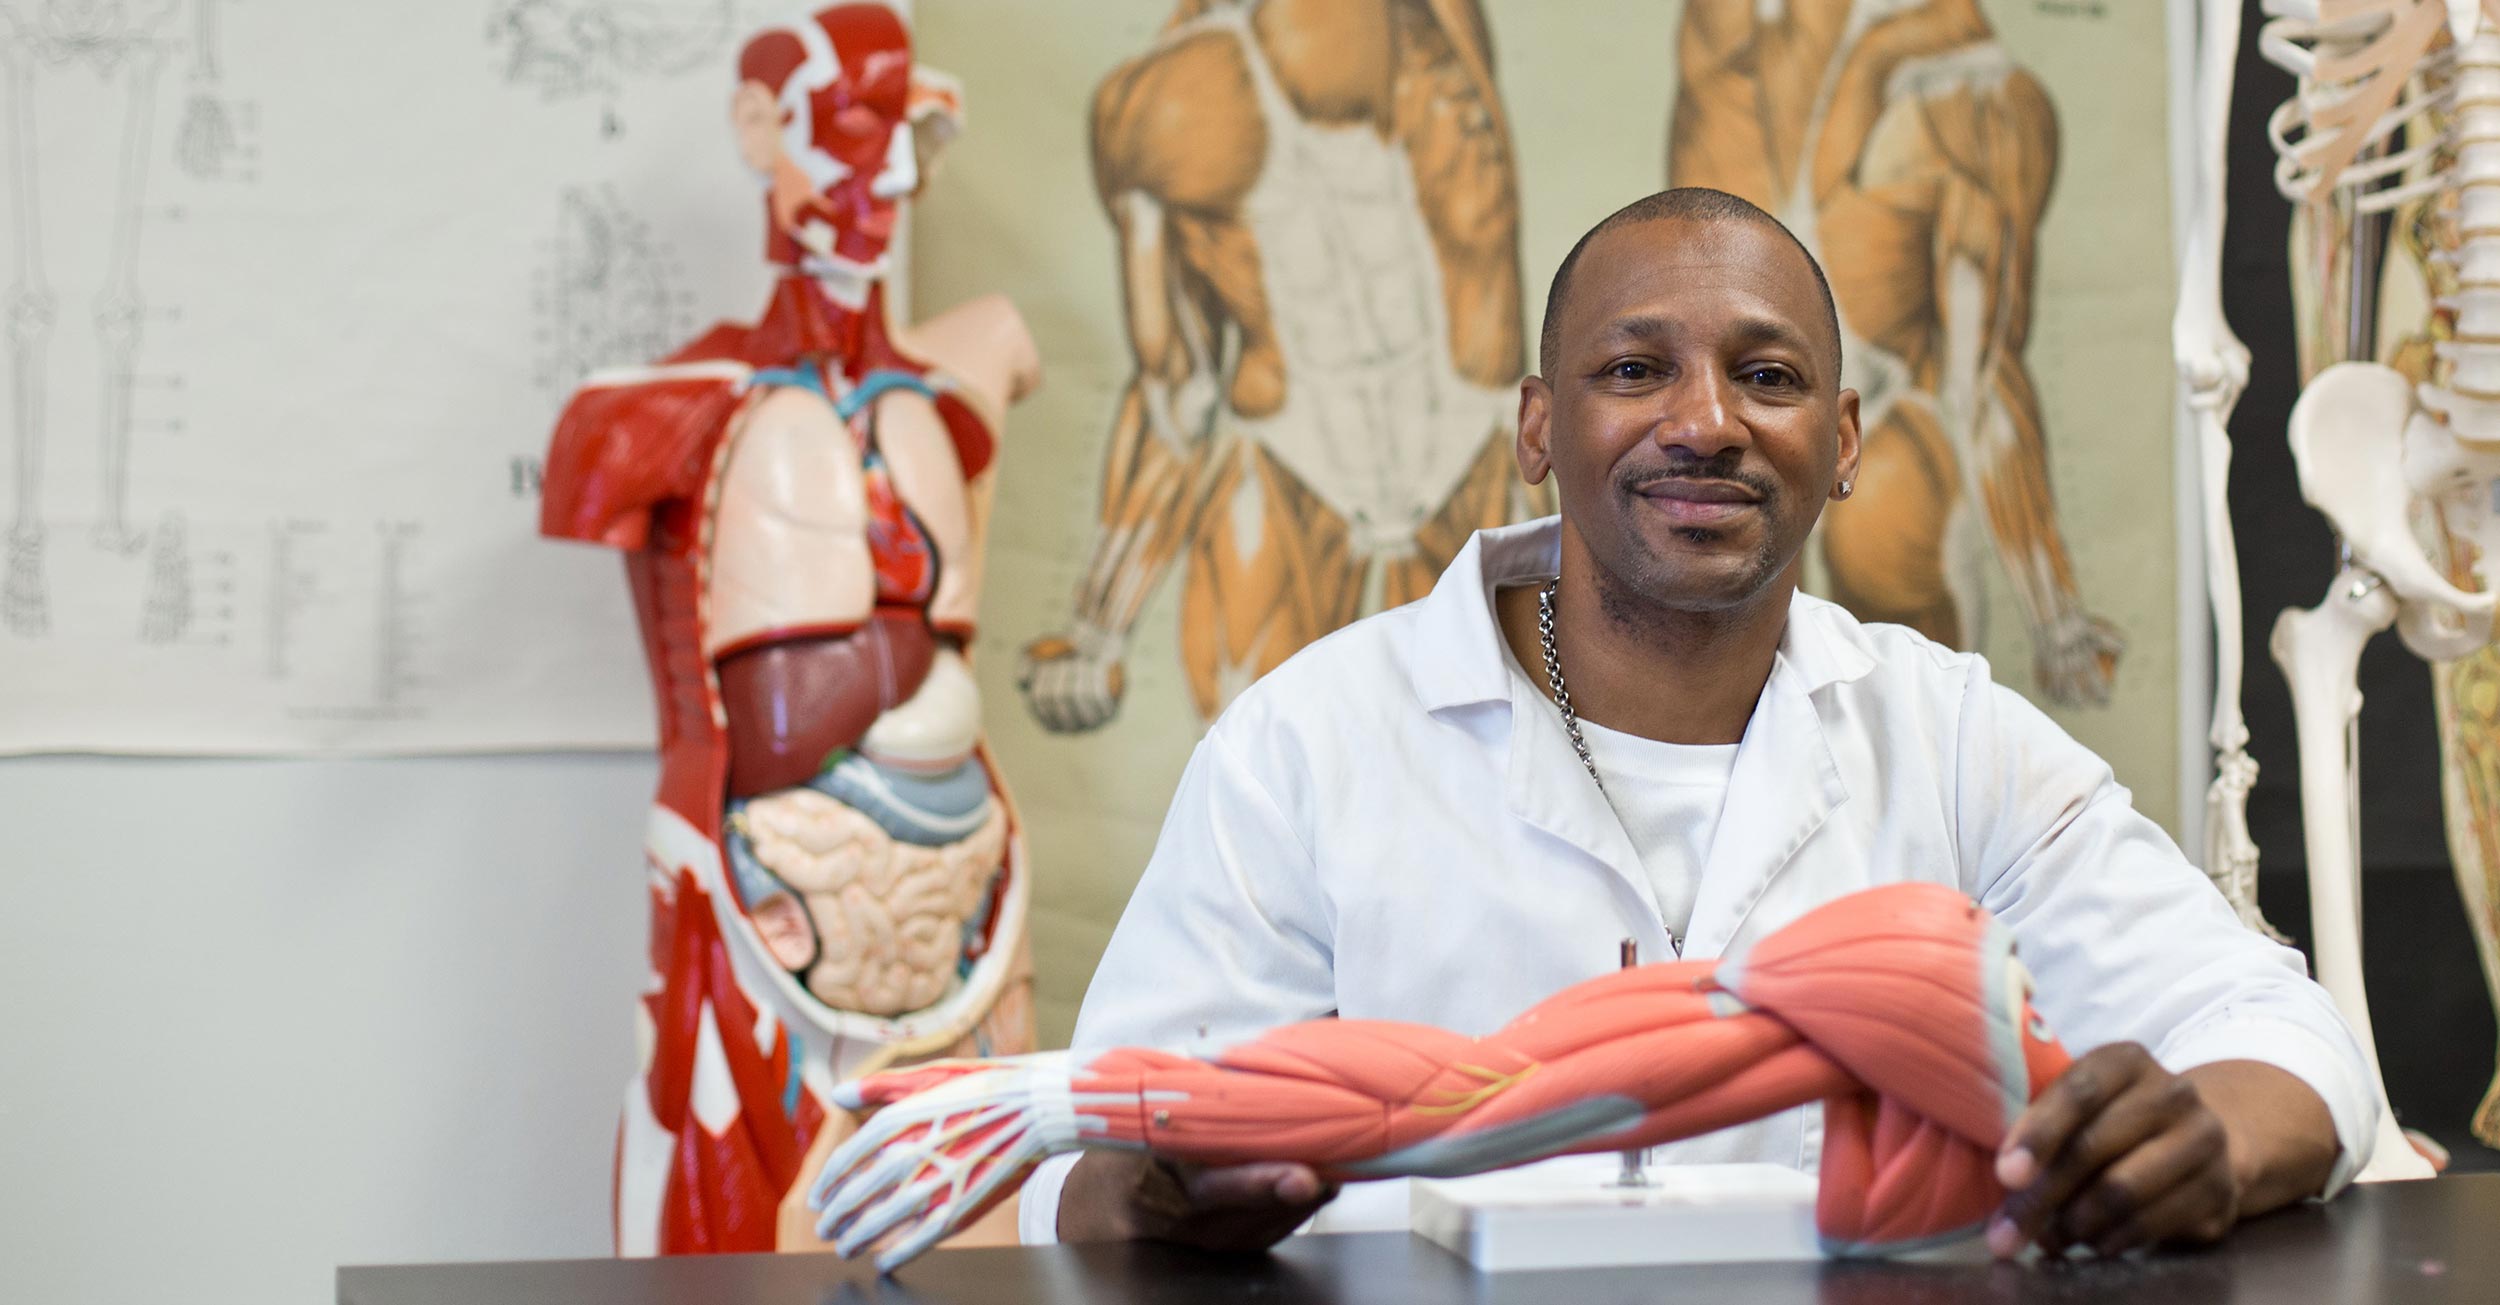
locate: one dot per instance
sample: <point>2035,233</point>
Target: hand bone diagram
<point>1902,1009</point>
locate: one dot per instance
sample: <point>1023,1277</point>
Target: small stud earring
<point>1845,488</point>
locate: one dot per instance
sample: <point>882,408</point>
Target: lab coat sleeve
<point>2127,941</point>
<point>1226,937</point>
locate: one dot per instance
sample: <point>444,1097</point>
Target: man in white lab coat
<point>1628,722</point>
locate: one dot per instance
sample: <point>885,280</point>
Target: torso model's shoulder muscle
<point>630,440</point>
<point>976,358</point>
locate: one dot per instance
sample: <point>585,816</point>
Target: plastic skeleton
<point>836,886</point>
<point>1902,143</point>
<point>1901,1008</point>
<point>115,40</point>
<point>1318,237</point>
<point>2398,104</point>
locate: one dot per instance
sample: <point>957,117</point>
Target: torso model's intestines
<point>890,914</point>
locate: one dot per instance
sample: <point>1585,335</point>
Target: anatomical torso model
<point>835,874</point>
<point>2395,126</point>
<point>1902,1009</point>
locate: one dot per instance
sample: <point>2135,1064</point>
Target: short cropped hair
<point>1686,203</point>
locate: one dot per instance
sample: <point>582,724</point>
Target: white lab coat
<point>1393,825</point>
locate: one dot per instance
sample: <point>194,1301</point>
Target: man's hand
<point>2120,1153</point>
<point>1113,1195</point>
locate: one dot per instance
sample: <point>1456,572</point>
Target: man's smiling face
<point>1693,419</point>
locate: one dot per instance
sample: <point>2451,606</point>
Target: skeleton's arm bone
<point>2210,358</point>
<point>2213,367</point>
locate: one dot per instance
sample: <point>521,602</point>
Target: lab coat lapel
<point>1549,788</point>
<point>1784,785</point>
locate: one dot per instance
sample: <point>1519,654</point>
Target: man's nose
<point>901,174</point>
<point>1700,416</point>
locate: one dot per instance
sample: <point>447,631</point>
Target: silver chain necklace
<point>1554,677</point>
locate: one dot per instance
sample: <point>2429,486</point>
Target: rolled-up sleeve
<point>2127,940</point>
<point>1225,937</point>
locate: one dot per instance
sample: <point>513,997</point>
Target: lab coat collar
<point>1785,782</point>
<point>1459,660</point>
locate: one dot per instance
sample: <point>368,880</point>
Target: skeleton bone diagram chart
<point>283,338</point>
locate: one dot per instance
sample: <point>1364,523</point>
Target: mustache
<point>1727,465</point>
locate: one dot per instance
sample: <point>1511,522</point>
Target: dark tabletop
<point>2433,1241</point>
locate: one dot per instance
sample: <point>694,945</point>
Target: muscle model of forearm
<point>1901,1008</point>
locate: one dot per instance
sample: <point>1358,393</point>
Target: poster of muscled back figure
<point>1910,150</point>
<point>1283,258</point>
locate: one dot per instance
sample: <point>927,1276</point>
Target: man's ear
<point>1847,469</point>
<point>1536,404</point>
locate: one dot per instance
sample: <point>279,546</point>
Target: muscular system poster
<point>1283,256</point>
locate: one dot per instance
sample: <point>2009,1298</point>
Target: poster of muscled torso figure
<point>1317,220</point>
<point>1283,258</point>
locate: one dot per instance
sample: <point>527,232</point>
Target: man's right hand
<point>1121,1195</point>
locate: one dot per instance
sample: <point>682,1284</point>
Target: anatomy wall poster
<point>1244,230</point>
<point>1915,154</point>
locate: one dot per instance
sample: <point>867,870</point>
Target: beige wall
<point>1587,86</point>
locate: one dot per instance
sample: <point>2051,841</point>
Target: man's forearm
<point>2282,1140</point>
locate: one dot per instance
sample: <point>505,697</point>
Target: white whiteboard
<point>350,258</point>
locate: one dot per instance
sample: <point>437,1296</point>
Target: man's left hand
<point>2116,1154</point>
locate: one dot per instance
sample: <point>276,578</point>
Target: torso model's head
<point>835,117</point>
<point>1690,408</point>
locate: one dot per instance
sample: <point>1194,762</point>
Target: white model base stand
<point>1563,1213</point>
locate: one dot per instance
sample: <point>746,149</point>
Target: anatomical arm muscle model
<point>1901,1008</point>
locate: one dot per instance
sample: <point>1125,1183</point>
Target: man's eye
<point>1629,371</point>
<point>1774,377</point>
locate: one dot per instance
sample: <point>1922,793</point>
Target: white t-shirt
<point>1668,797</point>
